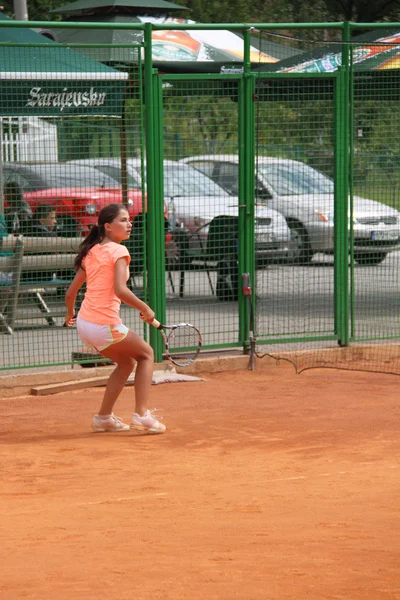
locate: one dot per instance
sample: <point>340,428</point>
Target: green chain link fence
<point>286,171</point>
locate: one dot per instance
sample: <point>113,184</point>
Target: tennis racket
<point>182,342</point>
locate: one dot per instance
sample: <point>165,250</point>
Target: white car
<point>306,199</point>
<point>193,200</point>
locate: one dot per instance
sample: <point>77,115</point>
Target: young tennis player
<point>103,263</point>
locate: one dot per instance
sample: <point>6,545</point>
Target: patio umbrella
<point>173,50</point>
<point>110,11</point>
<point>377,50</point>
<point>81,7</point>
<point>375,58</point>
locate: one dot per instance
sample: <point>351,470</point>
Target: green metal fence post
<point>155,202</point>
<point>351,193</point>
<point>246,186</point>
<point>341,232</point>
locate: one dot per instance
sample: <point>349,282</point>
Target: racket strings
<point>184,339</point>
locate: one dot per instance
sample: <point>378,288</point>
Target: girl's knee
<point>126,362</point>
<point>146,353</point>
<point>150,353</point>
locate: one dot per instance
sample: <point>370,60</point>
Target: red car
<point>77,193</point>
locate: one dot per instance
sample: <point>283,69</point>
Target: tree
<point>220,11</point>
<point>38,10</point>
<point>364,11</point>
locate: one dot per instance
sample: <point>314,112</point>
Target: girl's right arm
<point>70,296</point>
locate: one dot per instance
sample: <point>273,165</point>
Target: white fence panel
<point>28,139</point>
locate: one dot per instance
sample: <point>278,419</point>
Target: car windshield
<point>294,179</point>
<point>72,176</point>
<point>184,181</point>
<point>115,173</point>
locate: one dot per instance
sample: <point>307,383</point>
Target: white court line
<point>127,499</point>
<point>318,475</point>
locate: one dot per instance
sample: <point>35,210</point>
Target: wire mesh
<point>299,291</point>
<point>374,278</point>
<point>73,140</point>
<point>203,212</point>
<point>66,122</point>
<point>373,219</point>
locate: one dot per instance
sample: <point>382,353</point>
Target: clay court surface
<point>267,485</point>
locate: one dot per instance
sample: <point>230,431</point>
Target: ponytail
<point>95,236</point>
<point>98,232</point>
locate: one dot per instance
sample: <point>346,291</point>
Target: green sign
<point>41,78</point>
<point>61,98</point>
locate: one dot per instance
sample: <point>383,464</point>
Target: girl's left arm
<point>125,294</point>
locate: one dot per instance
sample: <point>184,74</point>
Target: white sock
<point>104,417</point>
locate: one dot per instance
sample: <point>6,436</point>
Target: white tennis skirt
<point>100,337</point>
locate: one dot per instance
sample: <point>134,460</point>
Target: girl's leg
<point>132,348</point>
<point>115,383</point>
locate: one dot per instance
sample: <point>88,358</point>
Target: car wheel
<point>300,251</point>
<point>370,259</point>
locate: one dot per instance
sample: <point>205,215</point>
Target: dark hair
<point>42,211</point>
<point>97,233</point>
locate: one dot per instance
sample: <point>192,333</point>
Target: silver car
<point>306,199</point>
<point>193,201</point>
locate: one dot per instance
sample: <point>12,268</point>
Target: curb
<point>361,358</point>
<point>21,383</point>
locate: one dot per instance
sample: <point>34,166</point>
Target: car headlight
<point>91,209</point>
<point>327,217</point>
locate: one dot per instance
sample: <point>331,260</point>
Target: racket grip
<point>156,324</point>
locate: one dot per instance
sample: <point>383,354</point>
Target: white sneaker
<point>113,423</point>
<point>147,423</point>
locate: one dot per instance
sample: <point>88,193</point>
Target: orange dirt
<point>267,485</point>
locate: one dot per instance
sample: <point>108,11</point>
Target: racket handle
<point>156,324</point>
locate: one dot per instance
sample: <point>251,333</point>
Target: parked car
<point>306,199</point>
<point>77,192</point>
<point>193,201</point>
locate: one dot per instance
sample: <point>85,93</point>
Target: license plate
<point>384,235</point>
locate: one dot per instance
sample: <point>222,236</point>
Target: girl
<point>103,263</point>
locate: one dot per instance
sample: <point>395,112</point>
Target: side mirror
<point>262,193</point>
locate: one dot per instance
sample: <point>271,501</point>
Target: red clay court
<point>267,485</point>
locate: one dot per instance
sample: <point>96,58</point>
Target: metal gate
<point>248,192</point>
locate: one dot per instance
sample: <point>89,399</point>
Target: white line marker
<point>127,499</point>
<point>319,475</point>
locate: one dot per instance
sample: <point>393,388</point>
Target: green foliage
<point>256,11</point>
<point>38,10</point>
<point>364,11</point>
<point>192,123</point>
<point>220,11</point>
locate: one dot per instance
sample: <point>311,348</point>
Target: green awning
<point>82,6</point>
<point>53,80</point>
